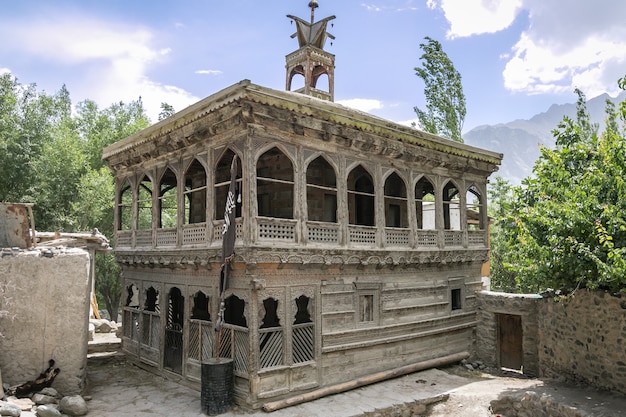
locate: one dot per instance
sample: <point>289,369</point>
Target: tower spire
<point>311,61</point>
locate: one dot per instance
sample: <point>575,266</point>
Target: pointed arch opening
<point>125,207</point>
<point>195,193</point>
<point>275,186</point>
<point>361,200</point>
<point>168,203</point>
<point>395,202</point>
<point>425,204</point>
<point>451,207</point>
<point>474,206</point>
<point>222,184</point>
<point>144,204</point>
<point>321,191</point>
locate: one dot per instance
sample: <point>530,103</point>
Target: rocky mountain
<point>519,140</point>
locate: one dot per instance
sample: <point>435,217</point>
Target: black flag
<point>228,238</point>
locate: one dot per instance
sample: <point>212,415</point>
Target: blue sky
<point>516,57</point>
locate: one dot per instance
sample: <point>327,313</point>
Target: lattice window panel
<point>194,234</point>
<point>453,238</point>
<point>200,340</point>
<point>144,238</point>
<point>151,328</point>
<point>397,237</point>
<point>166,237</point>
<point>426,238</point>
<point>303,343</point>
<point>233,344</point>
<point>477,238</point>
<point>218,230</point>
<point>271,347</point>
<point>131,324</point>
<point>362,236</point>
<point>276,231</point>
<point>124,239</point>
<point>322,234</point>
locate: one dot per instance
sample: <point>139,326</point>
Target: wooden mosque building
<point>359,241</point>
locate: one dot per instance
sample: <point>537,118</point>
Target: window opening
<point>222,184</point>
<point>200,309</point>
<point>195,193</point>
<point>271,340</point>
<point>132,298</point>
<point>321,191</point>
<point>168,207</point>
<point>152,300</point>
<point>455,299</point>
<point>425,204</point>
<point>361,197</point>
<point>274,173</point>
<point>366,307</point>
<point>173,349</point>
<point>234,311</point>
<point>303,335</point>
<point>451,207</point>
<point>395,202</point>
<point>125,207</point>
<point>474,205</point>
<point>144,204</point>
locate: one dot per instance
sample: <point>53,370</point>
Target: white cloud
<point>105,62</point>
<point>362,104</point>
<point>475,17</point>
<point>566,45</point>
<point>209,72</point>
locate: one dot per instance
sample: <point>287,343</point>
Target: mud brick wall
<point>47,293</point>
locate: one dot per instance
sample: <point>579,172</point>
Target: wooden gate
<point>510,350</point>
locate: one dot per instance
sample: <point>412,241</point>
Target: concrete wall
<point>48,292</point>
<point>580,338</point>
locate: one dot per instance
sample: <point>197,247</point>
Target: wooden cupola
<point>310,60</point>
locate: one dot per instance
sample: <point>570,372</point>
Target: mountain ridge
<point>520,140</point>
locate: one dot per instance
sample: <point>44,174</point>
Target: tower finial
<point>313,5</point>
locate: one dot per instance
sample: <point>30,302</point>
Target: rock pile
<point>45,403</point>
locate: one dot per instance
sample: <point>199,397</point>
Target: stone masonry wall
<point>48,294</point>
<point>583,337</point>
<point>579,338</point>
<point>492,303</point>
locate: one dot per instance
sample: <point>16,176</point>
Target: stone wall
<point>579,338</point>
<point>525,305</point>
<point>48,291</point>
<point>583,337</point>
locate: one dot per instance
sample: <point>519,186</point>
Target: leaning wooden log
<point>44,380</point>
<point>366,380</point>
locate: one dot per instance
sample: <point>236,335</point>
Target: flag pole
<point>228,249</point>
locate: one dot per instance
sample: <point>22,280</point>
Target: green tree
<point>565,227</point>
<point>445,101</point>
<point>167,110</point>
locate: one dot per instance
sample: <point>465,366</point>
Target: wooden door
<point>511,353</point>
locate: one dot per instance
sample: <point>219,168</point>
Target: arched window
<point>395,202</point>
<point>222,184</point>
<point>361,197</point>
<point>125,207</point>
<point>195,193</point>
<point>234,312</point>
<point>152,300</point>
<point>168,207</point>
<point>274,180</point>
<point>321,191</point>
<point>474,206</point>
<point>296,79</point>
<point>320,79</point>
<point>425,204</point>
<point>200,309</point>
<point>144,204</point>
<point>451,207</point>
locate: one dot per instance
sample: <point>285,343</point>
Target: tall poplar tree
<point>445,101</point>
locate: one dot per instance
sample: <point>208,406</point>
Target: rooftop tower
<point>310,60</point>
